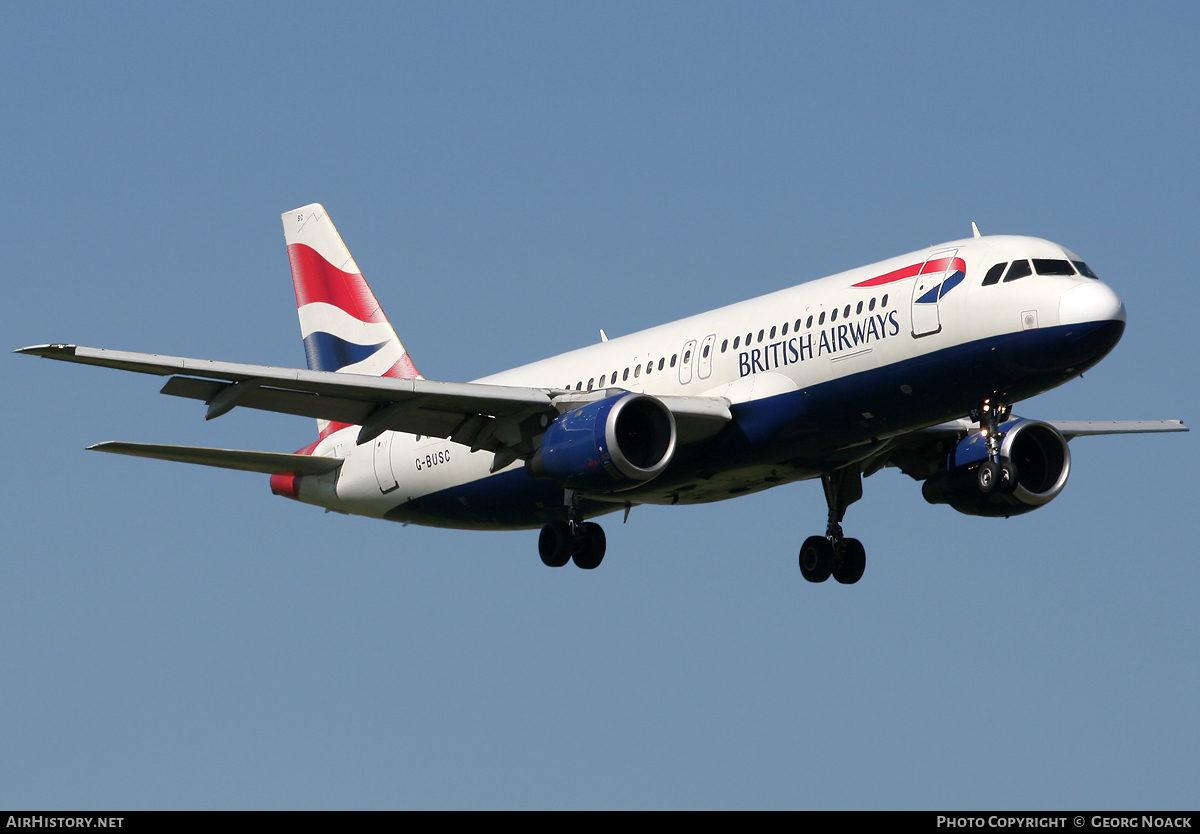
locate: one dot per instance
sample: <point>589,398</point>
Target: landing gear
<point>996,472</point>
<point>554,544</point>
<point>987,476</point>
<point>816,559</point>
<point>589,547</point>
<point>833,554</point>
<point>563,541</point>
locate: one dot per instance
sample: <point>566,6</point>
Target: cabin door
<point>383,463</point>
<point>925,318</point>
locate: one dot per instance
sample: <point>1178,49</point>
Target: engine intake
<point>606,446</point>
<point>1038,451</point>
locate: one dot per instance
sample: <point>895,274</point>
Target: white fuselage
<point>797,341</point>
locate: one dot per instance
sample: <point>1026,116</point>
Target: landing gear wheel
<point>987,476</point>
<point>589,546</point>
<point>854,562</point>
<point>555,543</point>
<point>1008,476</point>
<point>816,559</point>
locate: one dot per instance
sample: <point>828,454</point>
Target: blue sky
<point>511,178</point>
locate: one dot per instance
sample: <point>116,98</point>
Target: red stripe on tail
<point>315,279</point>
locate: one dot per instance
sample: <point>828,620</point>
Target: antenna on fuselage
<point>975,230</point>
<point>603,335</point>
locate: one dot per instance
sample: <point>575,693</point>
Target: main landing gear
<point>996,472</point>
<point>574,539</point>
<point>833,554</point>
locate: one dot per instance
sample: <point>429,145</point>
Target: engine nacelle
<point>1039,453</point>
<point>607,446</point>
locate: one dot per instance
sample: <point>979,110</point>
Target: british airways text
<point>830,340</point>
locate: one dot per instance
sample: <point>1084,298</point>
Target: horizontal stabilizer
<point>270,463</point>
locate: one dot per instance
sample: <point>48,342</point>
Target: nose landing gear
<point>575,539</point>
<point>996,472</point>
<point>833,554</point>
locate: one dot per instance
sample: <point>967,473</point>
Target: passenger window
<point>591,382</point>
<point>1085,270</point>
<point>772,332</point>
<point>579,386</point>
<point>883,301</point>
<point>687,356</point>
<point>705,352</point>
<point>613,381</point>
<point>760,335</point>
<point>724,345</point>
<point>736,341</point>
<point>625,376</point>
<point>637,371</point>
<point>749,338</point>
<point>1019,269</point>
<point>796,328</point>
<point>846,312</point>
<point>993,275</point>
<point>673,355</point>
<point>871,306</point>
<point>833,315</point>
<point>660,363</point>
<point>650,366</point>
<point>858,309</point>
<point>1052,266</point>
<point>784,331</point>
<point>821,320</point>
<point>809,322</point>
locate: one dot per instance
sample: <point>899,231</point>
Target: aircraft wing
<point>491,417</point>
<point>1087,428</point>
<point>919,453</point>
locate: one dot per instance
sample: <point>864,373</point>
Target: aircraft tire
<point>554,544</point>
<point>987,476</point>
<point>854,562</point>
<point>589,552</point>
<point>1008,476</point>
<point>816,559</point>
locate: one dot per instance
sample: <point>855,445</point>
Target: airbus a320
<point>913,362</point>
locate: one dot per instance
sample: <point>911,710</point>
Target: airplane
<point>913,362</point>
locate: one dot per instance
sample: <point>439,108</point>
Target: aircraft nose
<point>1093,301</point>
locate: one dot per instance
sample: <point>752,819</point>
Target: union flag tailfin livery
<point>913,362</point>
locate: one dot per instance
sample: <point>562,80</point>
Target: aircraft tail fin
<point>343,327</point>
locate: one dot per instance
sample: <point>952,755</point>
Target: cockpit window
<point>1019,269</point>
<point>1084,269</point>
<point>993,274</point>
<point>1052,266</point>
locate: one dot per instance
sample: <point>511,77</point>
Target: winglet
<point>48,351</point>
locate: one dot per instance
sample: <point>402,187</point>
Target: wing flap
<point>270,463</point>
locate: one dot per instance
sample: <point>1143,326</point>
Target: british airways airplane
<point>913,362</point>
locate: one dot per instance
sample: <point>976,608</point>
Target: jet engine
<point>607,446</point>
<point>1042,463</point>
